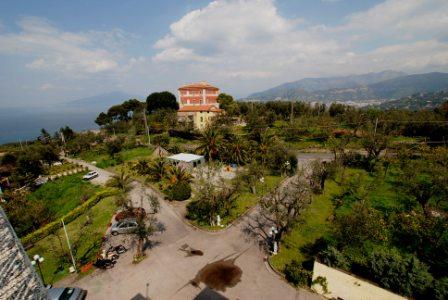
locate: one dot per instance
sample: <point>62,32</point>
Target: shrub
<point>323,282</point>
<point>333,258</point>
<point>162,140</point>
<point>353,159</point>
<point>195,211</point>
<point>73,214</point>
<point>296,274</point>
<point>184,134</point>
<point>440,290</point>
<point>402,273</point>
<point>280,160</point>
<point>179,191</point>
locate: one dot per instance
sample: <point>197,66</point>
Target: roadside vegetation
<point>86,234</point>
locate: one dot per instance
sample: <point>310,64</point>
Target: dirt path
<point>167,272</point>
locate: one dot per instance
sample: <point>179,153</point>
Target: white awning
<point>186,157</point>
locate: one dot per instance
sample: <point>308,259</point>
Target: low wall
<point>348,287</point>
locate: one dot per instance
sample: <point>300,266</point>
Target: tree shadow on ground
<point>255,230</point>
<point>209,294</point>
<point>148,245</point>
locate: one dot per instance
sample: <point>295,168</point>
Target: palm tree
<point>141,167</point>
<point>177,174</point>
<point>157,169</point>
<point>210,143</point>
<point>121,181</point>
<point>263,146</point>
<point>236,149</point>
<point>145,227</point>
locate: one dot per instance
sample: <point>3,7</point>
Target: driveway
<point>167,271</point>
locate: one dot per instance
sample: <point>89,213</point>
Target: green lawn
<point>305,144</point>
<point>104,161</point>
<point>313,226</point>
<point>85,240</point>
<point>64,194</point>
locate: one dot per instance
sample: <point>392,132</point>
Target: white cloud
<point>400,19</point>
<point>46,87</point>
<point>250,40</point>
<point>71,53</point>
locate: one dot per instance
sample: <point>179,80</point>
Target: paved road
<point>167,271</point>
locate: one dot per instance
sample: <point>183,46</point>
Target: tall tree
<point>113,147</point>
<point>227,103</point>
<point>235,150</point>
<point>103,119</point>
<point>161,100</point>
<point>210,143</point>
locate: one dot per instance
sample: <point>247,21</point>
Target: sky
<point>54,51</point>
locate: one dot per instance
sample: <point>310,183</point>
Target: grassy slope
<point>314,225</point>
<point>89,239</point>
<point>104,161</point>
<point>315,222</point>
<point>64,194</point>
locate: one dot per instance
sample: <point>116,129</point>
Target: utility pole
<point>376,125</point>
<point>292,112</point>
<point>69,247</point>
<point>146,127</point>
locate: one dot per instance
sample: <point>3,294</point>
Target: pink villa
<point>198,103</point>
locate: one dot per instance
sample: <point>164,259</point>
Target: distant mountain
<point>384,85</point>
<point>100,102</point>
<point>305,87</point>
<point>408,85</point>
<point>417,101</point>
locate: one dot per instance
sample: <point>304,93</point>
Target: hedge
<point>179,192</point>
<point>50,228</point>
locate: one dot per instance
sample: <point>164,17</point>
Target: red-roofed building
<point>198,103</point>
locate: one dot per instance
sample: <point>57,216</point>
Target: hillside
<point>383,85</point>
<point>100,102</point>
<point>417,101</point>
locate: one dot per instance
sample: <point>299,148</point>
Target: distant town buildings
<point>198,104</point>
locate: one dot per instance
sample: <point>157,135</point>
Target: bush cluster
<point>180,191</point>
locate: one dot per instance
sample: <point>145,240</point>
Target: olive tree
<point>284,206</point>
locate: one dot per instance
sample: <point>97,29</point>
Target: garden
<point>378,222</point>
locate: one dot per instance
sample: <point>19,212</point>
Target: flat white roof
<point>185,157</point>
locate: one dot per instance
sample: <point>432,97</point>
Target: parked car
<point>131,213</point>
<point>90,175</point>
<point>68,293</point>
<point>124,226</point>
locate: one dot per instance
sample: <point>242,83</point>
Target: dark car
<point>68,293</point>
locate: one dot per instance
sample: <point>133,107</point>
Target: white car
<point>90,175</point>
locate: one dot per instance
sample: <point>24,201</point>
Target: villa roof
<point>195,108</point>
<point>185,157</point>
<point>199,85</point>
